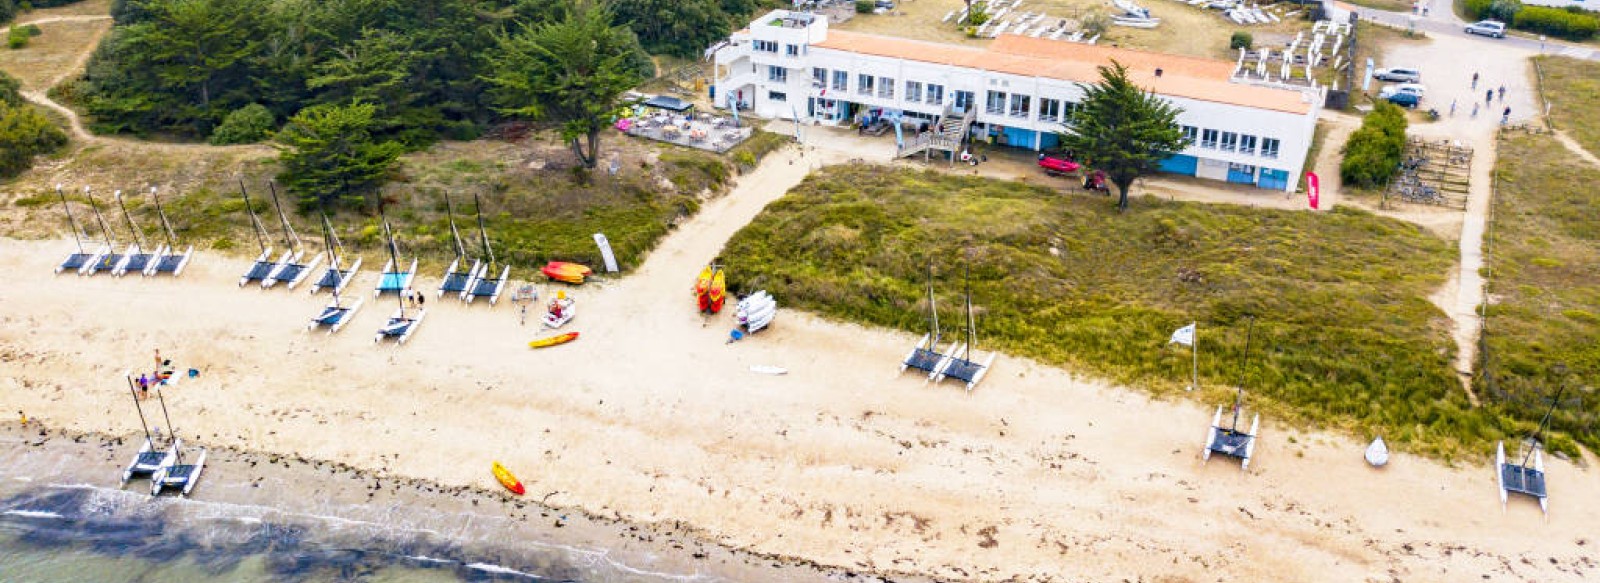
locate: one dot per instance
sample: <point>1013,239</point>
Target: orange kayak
<point>509,481</point>
<point>718,292</point>
<point>549,341</point>
<point>567,272</point>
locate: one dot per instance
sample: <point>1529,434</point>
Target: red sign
<point>1313,189</point>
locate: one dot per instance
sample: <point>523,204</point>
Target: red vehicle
<point>1056,166</point>
<point>1096,180</point>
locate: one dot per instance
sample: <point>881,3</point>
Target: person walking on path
<point>1502,94</point>
<point>1488,97</point>
<point>1474,79</point>
<point>1452,108</point>
<point>422,298</point>
<point>1505,117</point>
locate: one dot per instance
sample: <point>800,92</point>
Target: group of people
<point>1489,96</point>
<point>162,374</point>
<point>413,297</point>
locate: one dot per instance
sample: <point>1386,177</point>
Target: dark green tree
<point>1122,130</point>
<point>680,28</point>
<point>331,156</point>
<point>573,71</point>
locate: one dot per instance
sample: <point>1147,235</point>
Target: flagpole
<point>1194,348</point>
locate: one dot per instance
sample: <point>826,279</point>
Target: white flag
<point>1184,336</point>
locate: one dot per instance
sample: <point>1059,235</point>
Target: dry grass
<point>1573,89</point>
<point>84,8</point>
<point>46,56</point>
<point>1544,260</point>
<point>1184,29</point>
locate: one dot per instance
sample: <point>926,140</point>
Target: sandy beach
<point>651,418</point>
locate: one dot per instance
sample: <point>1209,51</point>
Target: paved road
<point>1442,21</point>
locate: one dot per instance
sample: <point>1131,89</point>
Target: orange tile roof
<point>1182,76</point>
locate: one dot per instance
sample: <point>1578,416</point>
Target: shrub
<point>1241,40</point>
<point>865,6</point>
<point>1567,24</point>
<point>25,133</point>
<point>246,125</point>
<point>18,37</point>
<point>1372,154</point>
<point>977,15</point>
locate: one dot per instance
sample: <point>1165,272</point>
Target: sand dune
<point>652,417</point>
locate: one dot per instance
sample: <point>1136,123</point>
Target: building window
<point>1049,109</point>
<point>1208,139</point>
<point>1191,134</point>
<point>913,91</point>
<point>886,87</point>
<point>935,94</point>
<point>776,96</point>
<point>1269,148</point>
<point>777,74</point>
<point>820,76</point>
<point>1230,141</point>
<point>964,100</point>
<point>766,46</point>
<point>1020,105</point>
<point>841,80</point>
<point>864,84</point>
<point>791,50</point>
<point>996,102</point>
<point>1247,144</point>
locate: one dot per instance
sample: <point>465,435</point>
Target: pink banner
<point>1313,189</point>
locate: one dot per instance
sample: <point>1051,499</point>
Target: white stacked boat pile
<point>755,311</point>
<point>1133,15</point>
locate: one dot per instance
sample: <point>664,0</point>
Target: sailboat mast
<point>455,234</point>
<point>972,328</point>
<point>172,432</point>
<point>328,240</point>
<point>140,409</point>
<point>138,240</point>
<point>933,311</point>
<point>261,232</point>
<point>289,238</point>
<point>172,238</point>
<point>1538,435</point>
<point>70,219</point>
<point>394,257</point>
<point>99,218</point>
<point>1243,360</point>
<point>483,234</point>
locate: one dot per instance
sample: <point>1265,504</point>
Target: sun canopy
<point>669,103</point>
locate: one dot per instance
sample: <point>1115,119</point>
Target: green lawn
<point>1344,338</point>
<point>1544,257</point>
<point>1573,89</point>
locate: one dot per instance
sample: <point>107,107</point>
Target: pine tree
<point>1122,130</point>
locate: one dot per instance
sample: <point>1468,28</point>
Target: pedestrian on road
<point>1452,108</point>
<point>1488,97</point>
<point>1505,117</point>
<point>1502,94</point>
<point>1474,79</point>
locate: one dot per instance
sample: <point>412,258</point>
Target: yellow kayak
<point>553,340</point>
<point>508,480</point>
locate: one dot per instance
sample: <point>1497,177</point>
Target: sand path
<point>652,417</point>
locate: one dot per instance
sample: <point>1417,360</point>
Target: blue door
<point>1241,173</point>
<point>1274,179</point>
<point>1180,164</point>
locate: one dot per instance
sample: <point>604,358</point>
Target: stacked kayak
<point>566,272</point>
<point>756,311</point>
<point>711,289</point>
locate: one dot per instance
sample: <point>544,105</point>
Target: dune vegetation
<point>1344,335</point>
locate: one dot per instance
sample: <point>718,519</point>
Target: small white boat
<point>768,369</point>
<point>568,311</point>
<point>1377,453</point>
<point>400,327</point>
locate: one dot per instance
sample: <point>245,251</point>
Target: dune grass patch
<point>1572,87</point>
<point>1344,336</point>
<point>1544,259</point>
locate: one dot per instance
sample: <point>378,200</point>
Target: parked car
<point>1417,89</point>
<point>1402,99</point>
<point>1490,28</point>
<point>1398,74</point>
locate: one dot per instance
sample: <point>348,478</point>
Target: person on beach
<point>1505,117</point>
<point>1502,93</point>
<point>144,386</point>
<point>422,298</point>
<point>1474,79</point>
<point>1474,110</point>
<point>1488,97</point>
<point>1452,108</point>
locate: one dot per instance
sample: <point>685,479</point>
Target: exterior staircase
<point>946,138</point>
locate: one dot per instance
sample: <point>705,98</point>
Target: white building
<point>1017,90</point>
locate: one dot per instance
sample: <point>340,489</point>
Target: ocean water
<point>63,519</point>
